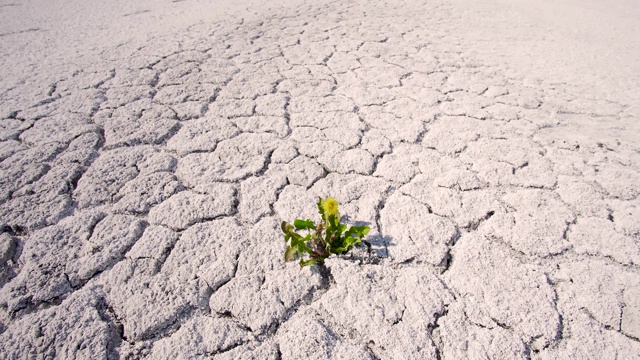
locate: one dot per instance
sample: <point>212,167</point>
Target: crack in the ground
<point>314,294</point>
<point>434,331</point>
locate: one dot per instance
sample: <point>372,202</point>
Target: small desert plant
<point>323,239</point>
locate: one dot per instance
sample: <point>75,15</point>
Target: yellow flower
<point>330,207</point>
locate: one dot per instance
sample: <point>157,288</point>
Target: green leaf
<point>302,248</point>
<point>296,238</point>
<point>349,240</point>
<point>349,232</point>
<point>338,250</point>
<point>361,231</point>
<point>334,223</point>
<point>346,245</point>
<point>309,262</point>
<point>306,240</point>
<point>304,224</point>
<point>290,254</point>
<point>286,227</point>
<point>321,210</point>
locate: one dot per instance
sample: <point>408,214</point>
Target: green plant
<point>326,238</point>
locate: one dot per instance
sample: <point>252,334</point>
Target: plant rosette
<point>322,239</point>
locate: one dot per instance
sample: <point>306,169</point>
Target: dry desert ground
<point>150,149</point>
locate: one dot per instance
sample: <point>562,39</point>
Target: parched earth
<point>149,152</point>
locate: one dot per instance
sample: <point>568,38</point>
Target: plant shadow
<point>373,249</point>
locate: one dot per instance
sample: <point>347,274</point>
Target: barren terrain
<point>150,149</point>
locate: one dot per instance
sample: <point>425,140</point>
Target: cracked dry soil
<point>148,156</point>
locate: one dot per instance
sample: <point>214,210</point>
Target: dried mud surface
<point>144,176</point>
